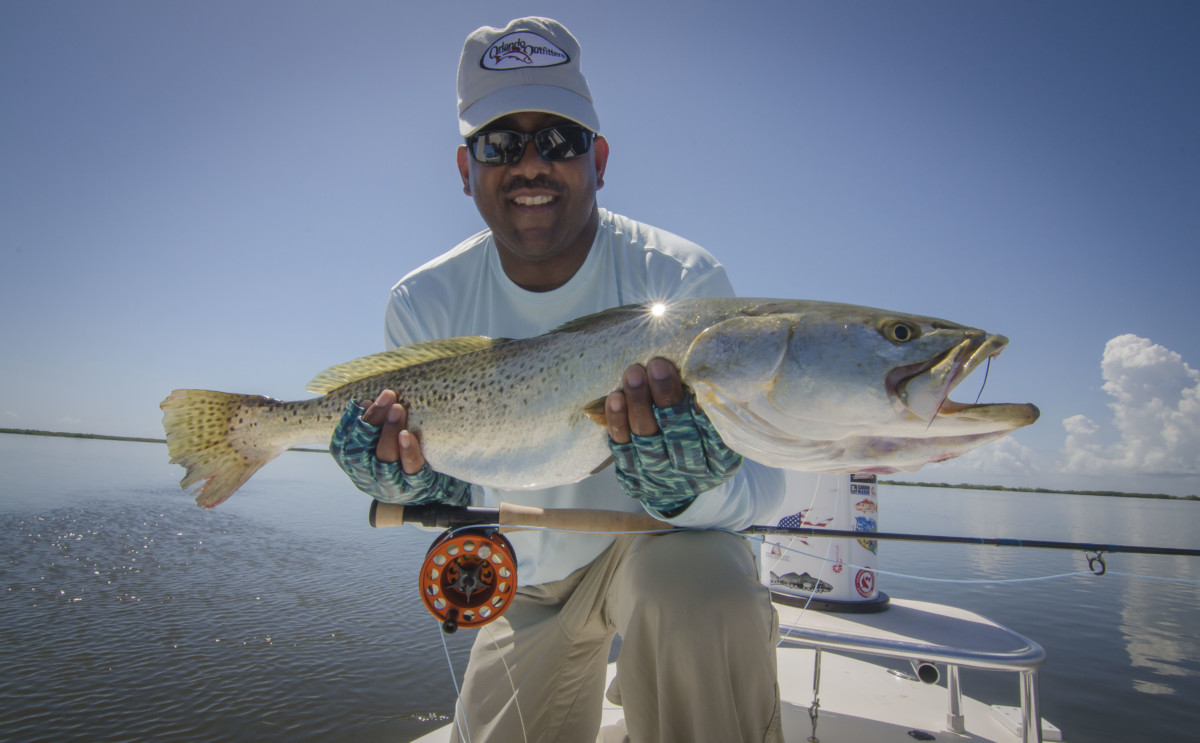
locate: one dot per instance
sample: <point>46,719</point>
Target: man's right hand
<point>383,458</point>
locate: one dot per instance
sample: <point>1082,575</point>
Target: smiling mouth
<point>539,200</point>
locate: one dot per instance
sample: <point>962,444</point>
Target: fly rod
<point>469,576</point>
<point>513,517</point>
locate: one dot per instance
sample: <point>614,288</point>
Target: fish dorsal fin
<point>586,321</point>
<point>397,358</point>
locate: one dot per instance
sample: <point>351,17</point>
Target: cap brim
<point>543,98</point>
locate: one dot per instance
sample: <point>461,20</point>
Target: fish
<point>795,384</point>
<point>802,582</point>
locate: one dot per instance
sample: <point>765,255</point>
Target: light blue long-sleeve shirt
<point>466,292</point>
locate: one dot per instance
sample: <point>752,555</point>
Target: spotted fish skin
<point>799,384</point>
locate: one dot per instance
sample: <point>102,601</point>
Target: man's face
<point>542,214</point>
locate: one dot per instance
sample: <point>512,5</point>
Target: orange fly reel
<point>469,577</point>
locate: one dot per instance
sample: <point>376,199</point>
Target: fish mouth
<point>922,390</point>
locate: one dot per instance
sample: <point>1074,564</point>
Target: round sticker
<point>865,583</point>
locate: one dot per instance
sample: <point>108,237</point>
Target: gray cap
<point>530,65</point>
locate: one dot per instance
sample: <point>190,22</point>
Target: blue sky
<point>220,194</point>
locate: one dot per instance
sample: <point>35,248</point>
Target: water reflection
<point>1154,619</point>
<point>1105,636</point>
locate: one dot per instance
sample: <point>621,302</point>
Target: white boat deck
<point>862,702</point>
<point>915,630</point>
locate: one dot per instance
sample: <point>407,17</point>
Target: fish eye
<point>899,331</point>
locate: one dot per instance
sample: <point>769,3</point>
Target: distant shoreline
<point>957,486</point>
<point>1007,489</point>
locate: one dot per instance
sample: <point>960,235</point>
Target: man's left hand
<point>631,408</point>
<point>666,451</point>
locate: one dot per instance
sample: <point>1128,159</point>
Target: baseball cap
<point>532,64</point>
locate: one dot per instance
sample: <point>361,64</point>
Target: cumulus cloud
<point>1156,412</point>
<point>1007,456</point>
<point>1080,425</point>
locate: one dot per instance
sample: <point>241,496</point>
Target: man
<point>697,661</point>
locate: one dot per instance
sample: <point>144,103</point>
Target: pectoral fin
<point>602,466</point>
<point>594,410</point>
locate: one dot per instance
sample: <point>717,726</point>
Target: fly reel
<point>469,577</point>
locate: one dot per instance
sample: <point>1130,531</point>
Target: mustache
<point>541,182</point>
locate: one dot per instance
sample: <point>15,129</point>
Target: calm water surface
<point>129,614</point>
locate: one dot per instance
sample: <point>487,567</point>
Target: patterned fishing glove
<point>668,470</point>
<point>353,448</point>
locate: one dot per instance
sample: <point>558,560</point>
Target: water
<point>129,614</point>
<point>1123,653</point>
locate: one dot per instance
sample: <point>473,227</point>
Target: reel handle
<point>468,578</point>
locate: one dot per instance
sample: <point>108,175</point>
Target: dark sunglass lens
<point>497,148</point>
<point>563,142</point>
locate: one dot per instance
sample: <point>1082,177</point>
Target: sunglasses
<point>559,142</point>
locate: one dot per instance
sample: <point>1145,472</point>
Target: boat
<point>841,639</point>
<point>828,693</point>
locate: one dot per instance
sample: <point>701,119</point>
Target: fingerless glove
<point>353,448</point>
<point>668,470</point>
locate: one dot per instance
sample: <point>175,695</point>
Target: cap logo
<point>522,49</point>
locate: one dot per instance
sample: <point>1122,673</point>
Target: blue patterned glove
<point>353,448</point>
<point>668,470</point>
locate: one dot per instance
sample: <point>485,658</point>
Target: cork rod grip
<point>514,517</point>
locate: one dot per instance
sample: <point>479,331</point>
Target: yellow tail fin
<point>209,433</point>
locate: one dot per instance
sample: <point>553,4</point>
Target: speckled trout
<point>801,385</point>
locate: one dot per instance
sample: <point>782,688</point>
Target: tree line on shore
<point>959,486</point>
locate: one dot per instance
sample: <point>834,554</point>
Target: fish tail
<point>214,436</point>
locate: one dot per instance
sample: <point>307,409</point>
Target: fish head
<point>841,388</point>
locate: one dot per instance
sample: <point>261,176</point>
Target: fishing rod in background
<point>469,575</point>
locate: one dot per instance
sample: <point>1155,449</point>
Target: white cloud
<point>1080,425</point>
<point>1005,456</point>
<point>1156,412</point>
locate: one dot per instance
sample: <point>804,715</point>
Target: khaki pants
<point>697,660</point>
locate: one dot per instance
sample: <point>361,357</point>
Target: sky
<point>220,194</point>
